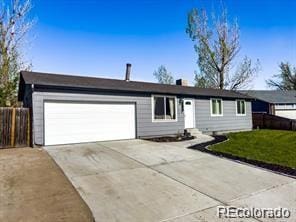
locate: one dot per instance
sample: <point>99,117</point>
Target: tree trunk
<point>221,80</point>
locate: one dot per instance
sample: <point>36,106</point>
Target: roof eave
<point>95,89</point>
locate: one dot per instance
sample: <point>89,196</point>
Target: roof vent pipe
<point>128,72</point>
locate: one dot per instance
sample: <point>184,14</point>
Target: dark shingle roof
<point>273,96</point>
<point>92,83</point>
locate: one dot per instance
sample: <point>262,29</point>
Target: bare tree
<point>217,45</point>
<point>286,79</point>
<point>14,26</point>
<point>163,76</point>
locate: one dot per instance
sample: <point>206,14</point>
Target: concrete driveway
<point>137,180</point>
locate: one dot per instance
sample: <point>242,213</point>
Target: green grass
<point>270,146</point>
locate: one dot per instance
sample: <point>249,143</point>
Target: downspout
<point>32,117</point>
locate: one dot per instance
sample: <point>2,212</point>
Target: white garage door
<point>290,114</point>
<point>84,122</point>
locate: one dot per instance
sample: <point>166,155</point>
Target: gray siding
<point>228,122</point>
<point>145,126</point>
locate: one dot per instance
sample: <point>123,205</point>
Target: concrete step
<point>194,132</point>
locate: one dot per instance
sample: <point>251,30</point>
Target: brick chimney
<point>181,82</point>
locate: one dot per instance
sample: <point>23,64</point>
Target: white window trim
<point>239,114</point>
<point>164,120</point>
<point>216,115</point>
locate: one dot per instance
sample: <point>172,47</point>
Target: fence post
<point>12,128</point>
<point>28,129</point>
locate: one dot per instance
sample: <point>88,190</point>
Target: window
<point>216,107</point>
<point>240,107</point>
<point>164,108</point>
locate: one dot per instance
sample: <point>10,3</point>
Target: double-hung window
<point>164,108</point>
<point>216,107</point>
<point>240,107</point>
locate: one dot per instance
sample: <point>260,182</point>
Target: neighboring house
<point>275,102</point>
<point>75,109</point>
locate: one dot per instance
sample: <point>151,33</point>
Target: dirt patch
<point>33,188</point>
<point>220,138</point>
<point>166,139</point>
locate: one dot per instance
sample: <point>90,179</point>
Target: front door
<point>189,113</point>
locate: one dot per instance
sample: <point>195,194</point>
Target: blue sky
<point>97,38</point>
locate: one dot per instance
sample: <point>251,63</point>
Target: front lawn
<point>270,146</point>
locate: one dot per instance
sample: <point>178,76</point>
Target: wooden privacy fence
<point>14,127</point>
<point>268,121</point>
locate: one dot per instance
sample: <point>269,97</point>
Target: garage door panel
<point>290,114</point>
<point>81,122</point>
